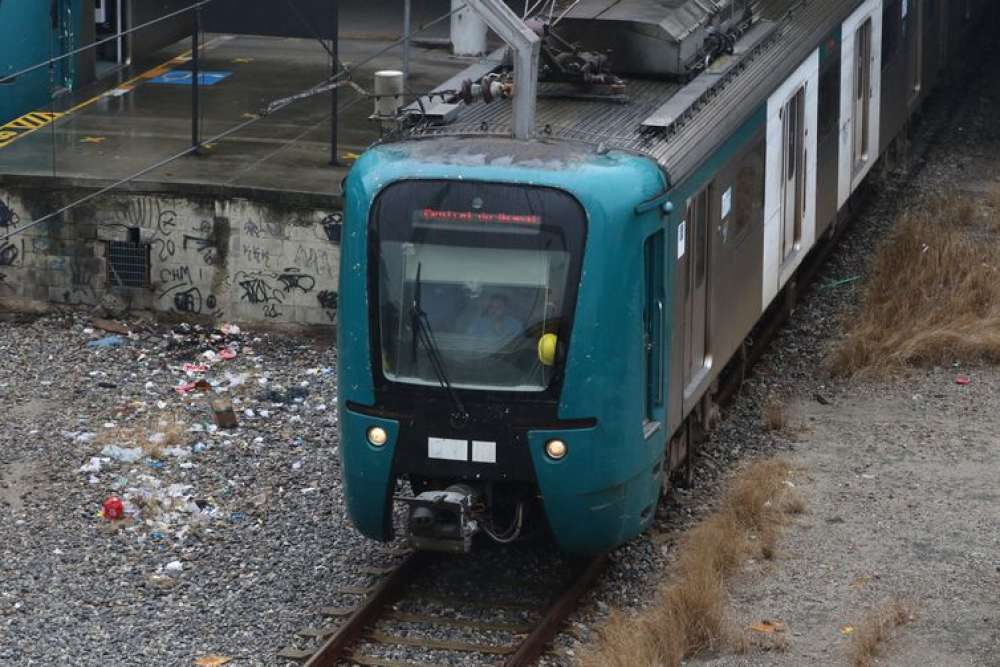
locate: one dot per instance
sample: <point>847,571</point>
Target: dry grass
<point>934,294</point>
<point>878,628</point>
<point>774,415</point>
<point>688,614</point>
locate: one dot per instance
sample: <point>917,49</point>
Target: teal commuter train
<point>530,331</point>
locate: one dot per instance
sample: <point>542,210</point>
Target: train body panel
<point>655,252</point>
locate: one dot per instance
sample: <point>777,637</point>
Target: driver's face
<point>496,308</point>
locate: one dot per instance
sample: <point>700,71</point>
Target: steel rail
<point>378,605</point>
<point>382,596</point>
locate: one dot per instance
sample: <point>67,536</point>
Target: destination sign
<point>433,215</point>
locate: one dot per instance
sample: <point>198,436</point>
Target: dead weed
<point>934,294</point>
<point>688,614</point>
<point>774,415</point>
<point>878,628</point>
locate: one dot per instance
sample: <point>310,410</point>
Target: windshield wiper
<point>421,328</point>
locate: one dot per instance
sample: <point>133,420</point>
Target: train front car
<point>497,302</point>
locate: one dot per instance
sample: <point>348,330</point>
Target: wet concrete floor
<point>120,125</point>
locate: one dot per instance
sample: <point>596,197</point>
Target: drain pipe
<point>526,45</point>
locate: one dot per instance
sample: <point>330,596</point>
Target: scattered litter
<point>768,626</point>
<point>113,508</point>
<point>95,464</point>
<point>197,385</point>
<point>111,326</point>
<point>230,329</point>
<point>309,489</point>
<point>212,660</point>
<point>107,342</point>
<point>122,454</point>
<point>210,356</point>
<point>963,380</point>
<point>195,368</point>
<point>290,395</point>
<point>107,385</point>
<point>840,283</point>
<point>174,567</point>
<point>821,399</point>
<point>847,630</point>
<point>177,452</point>
<point>222,411</point>
<point>227,354</point>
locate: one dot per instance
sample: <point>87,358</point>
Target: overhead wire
<point>273,107</point>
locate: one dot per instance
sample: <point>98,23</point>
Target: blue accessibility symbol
<point>182,77</point>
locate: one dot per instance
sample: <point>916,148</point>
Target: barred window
<point>128,263</point>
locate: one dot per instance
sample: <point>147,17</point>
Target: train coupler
<point>443,520</point>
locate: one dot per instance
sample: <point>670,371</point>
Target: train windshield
<point>475,283</point>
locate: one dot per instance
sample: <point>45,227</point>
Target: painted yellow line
<point>36,120</point>
<point>26,124</point>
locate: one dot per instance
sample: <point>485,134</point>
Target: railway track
<point>411,605</point>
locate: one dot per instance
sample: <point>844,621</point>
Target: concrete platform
<point>121,125</point>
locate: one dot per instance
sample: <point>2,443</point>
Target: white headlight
<point>555,449</point>
<point>377,436</point>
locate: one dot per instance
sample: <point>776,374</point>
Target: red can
<point>113,508</point>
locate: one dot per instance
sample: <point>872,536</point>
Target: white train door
<point>861,91</point>
<point>790,181</point>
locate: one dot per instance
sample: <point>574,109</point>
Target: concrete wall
<point>221,256</point>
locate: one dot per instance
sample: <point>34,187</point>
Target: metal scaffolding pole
<point>195,83</point>
<point>407,28</point>
<point>334,60</point>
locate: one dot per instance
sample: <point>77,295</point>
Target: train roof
<point>677,124</point>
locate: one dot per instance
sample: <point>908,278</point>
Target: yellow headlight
<point>377,436</point>
<point>555,449</point>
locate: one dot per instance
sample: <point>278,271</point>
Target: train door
<point>110,17</point>
<point>696,357</point>
<point>862,94</point>
<point>861,87</point>
<point>790,176</point>
<point>654,329</point>
<point>793,173</point>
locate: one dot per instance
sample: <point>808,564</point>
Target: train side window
<point>892,30</point>
<point>749,188</point>
<point>793,200</point>
<point>654,325</point>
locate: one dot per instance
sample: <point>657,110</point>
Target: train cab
<point>489,325</point>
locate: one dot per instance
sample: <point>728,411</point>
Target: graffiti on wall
<point>279,269</point>
<point>328,302</point>
<point>8,217</point>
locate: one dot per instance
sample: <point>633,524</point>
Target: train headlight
<point>555,449</point>
<point>377,436</point>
